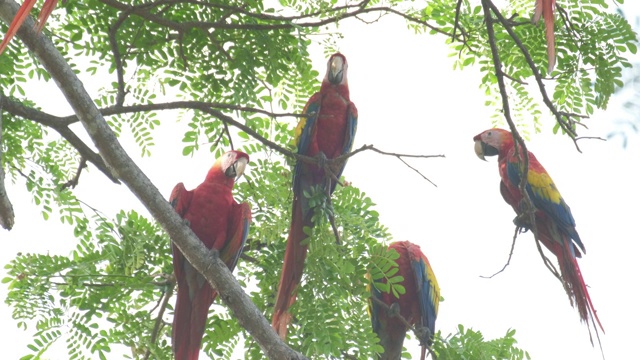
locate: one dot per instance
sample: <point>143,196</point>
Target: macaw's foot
<point>394,310</point>
<point>423,334</point>
<point>522,222</point>
<point>321,158</point>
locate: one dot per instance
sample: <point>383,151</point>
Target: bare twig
<point>332,221</point>
<point>168,293</point>
<point>116,55</point>
<point>549,264</point>
<point>74,182</point>
<point>226,130</point>
<point>513,245</point>
<point>590,138</point>
<point>416,170</point>
<point>249,258</point>
<point>456,21</point>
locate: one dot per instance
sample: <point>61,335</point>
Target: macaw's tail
<point>291,274</point>
<point>576,288</point>
<point>189,320</point>
<point>545,9</point>
<point>392,339</point>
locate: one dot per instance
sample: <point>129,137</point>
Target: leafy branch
<point>209,108</point>
<point>204,260</point>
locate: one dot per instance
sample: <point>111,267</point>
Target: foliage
<point>248,59</point>
<point>106,292</point>
<point>470,344</point>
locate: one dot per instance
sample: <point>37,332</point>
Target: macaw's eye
<point>489,133</point>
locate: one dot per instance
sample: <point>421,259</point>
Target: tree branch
<point>117,58</point>
<point>205,261</point>
<point>168,293</point>
<point>61,126</point>
<point>563,118</point>
<point>279,22</point>
<point>7,216</point>
<point>513,245</point>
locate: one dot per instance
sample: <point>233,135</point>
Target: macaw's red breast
<point>209,214</point>
<point>332,120</point>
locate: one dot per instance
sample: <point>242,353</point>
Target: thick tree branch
<point>7,216</point>
<point>207,262</point>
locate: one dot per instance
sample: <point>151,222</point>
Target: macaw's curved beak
<point>482,149</point>
<point>237,168</point>
<point>336,69</point>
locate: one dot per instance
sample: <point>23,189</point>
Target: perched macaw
<point>329,127</point>
<point>544,9</point>
<point>220,223</point>
<point>555,226</point>
<point>22,14</point>
<point>418,305</point>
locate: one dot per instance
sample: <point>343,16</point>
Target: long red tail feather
<point>21,15</point>
<point>189,321</point>
<point>545,9</point>
<point>291,274</point>
<point>46,10</point>
<point>576,288</point>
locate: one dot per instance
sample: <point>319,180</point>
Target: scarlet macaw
<point>418,305</point>
<point>544,9</point>
<point>329,128</point>
<point>22,14</point>
<point>220,223</point>
<point>555,226</point>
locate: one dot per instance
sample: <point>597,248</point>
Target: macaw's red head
<point>337,69</point>
<point>230,165</point>
<point>493,142</point>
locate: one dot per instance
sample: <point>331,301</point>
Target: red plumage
<point>418,305</point>
<point>545,9</point>
<point>328,128</point>
<point>21,16</point>
<point>220,223</point>
<point>554,222</point>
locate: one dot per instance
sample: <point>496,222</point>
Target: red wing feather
<point>47,9</point>
<point>21,15</point>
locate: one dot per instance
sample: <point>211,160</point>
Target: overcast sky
<point>410,101</point>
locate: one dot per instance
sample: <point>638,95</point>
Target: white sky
<point>410,101</point>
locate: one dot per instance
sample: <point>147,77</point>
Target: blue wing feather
<point>427,294</point>
<point>304,139</point>
<point>374,309</point>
